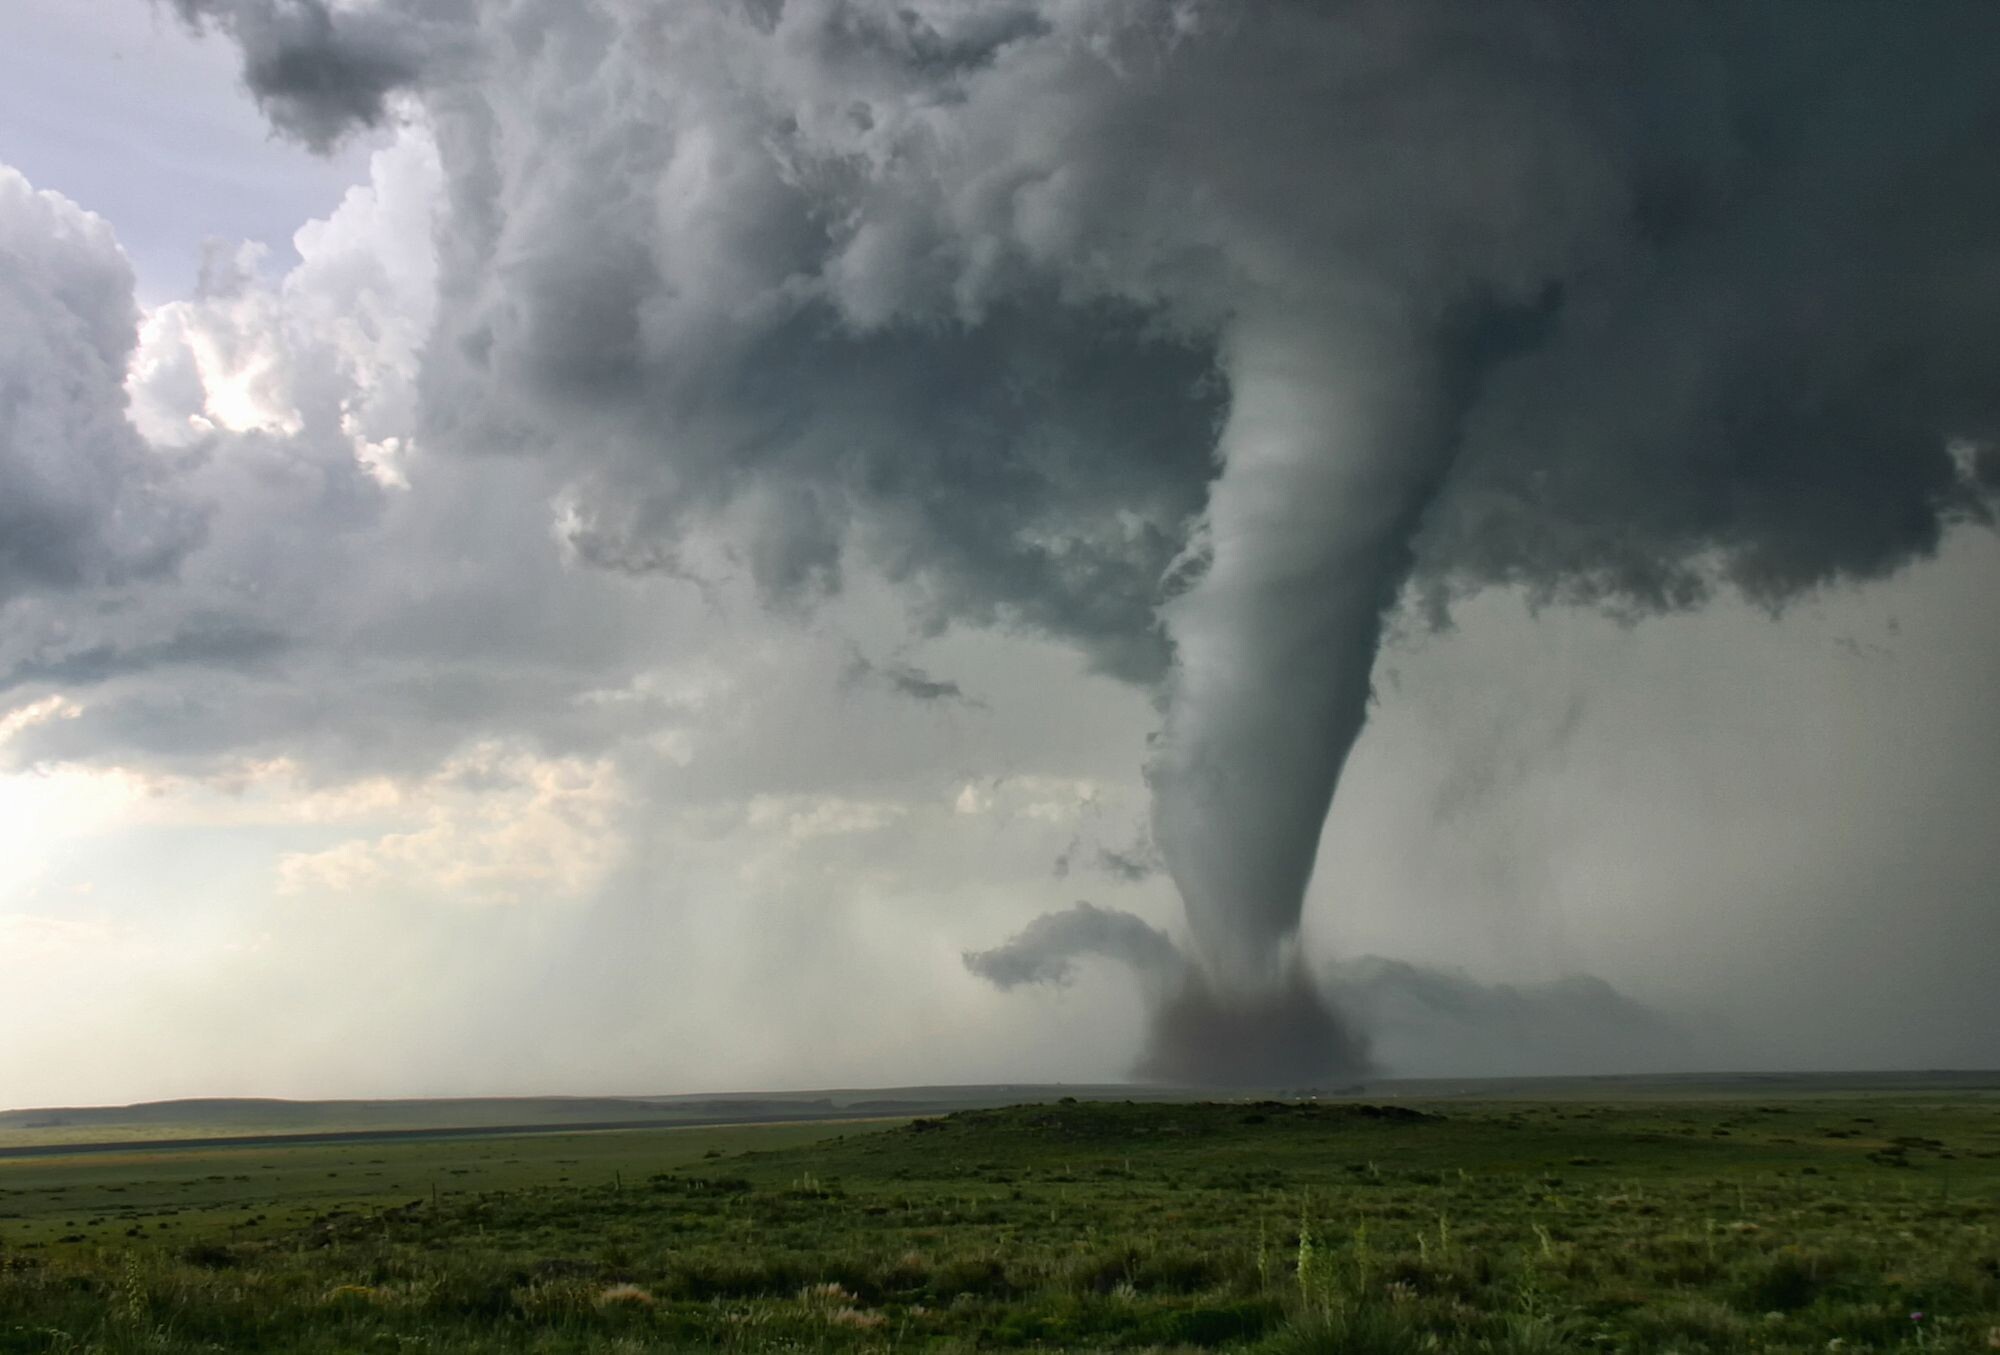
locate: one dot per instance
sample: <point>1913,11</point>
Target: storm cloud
<point>1201,337</point>
<point>319,70</point>
<point>856,251</point>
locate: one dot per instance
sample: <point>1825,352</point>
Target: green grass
<point>183,1195</point>
<point>1651,1226</point>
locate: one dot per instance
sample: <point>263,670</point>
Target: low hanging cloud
<point>899,677</point>
<point>1426,1021</point>
<point>1047,950</point>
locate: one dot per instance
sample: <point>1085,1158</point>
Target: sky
<point>627,548</point>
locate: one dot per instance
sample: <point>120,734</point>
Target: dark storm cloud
<point>1778,309</point>
<point>1036,471</point>
<point>318,71</point>
<point>1762,386</point>
<point>1196,333</point>
<point>1985,464</point>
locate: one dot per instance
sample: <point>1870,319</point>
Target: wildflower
<point>1916,1315</point>
<point>1308,1253</point>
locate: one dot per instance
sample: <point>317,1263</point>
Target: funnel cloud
<point>1205,337</point>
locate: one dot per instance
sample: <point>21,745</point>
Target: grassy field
<point>167,1121</point>
<point>184,1196</point>
<point>1843,1224</point>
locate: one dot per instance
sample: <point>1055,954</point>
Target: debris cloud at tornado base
<point>1280,1033</point>
<point>1202,335</point>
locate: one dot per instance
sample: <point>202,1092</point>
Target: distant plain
<point>1801,1214</point>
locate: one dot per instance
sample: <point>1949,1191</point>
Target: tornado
<point>1333,440</point>
<point>1323,471</point>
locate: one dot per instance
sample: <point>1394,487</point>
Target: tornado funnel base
<point>1283,1035</point>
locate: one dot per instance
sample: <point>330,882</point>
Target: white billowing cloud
<point>215,363</point>
<point>261,418</point>
<point>338,337</point>
<point>352,602</point>
<point>84,502</point>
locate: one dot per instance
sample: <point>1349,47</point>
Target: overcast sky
<point>604,550</point>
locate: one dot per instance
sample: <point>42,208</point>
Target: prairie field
<point>1827,1223</point>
